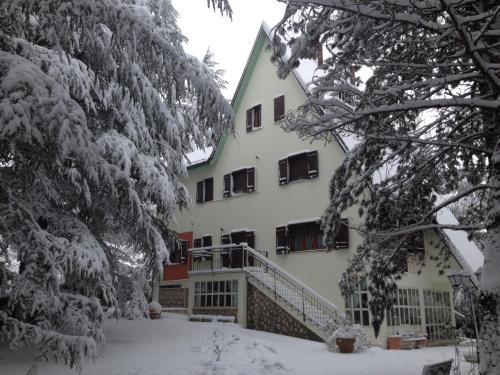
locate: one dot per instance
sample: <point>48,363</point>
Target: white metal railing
<point>255,263</point>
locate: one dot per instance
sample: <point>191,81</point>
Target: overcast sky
<point>231,42</point>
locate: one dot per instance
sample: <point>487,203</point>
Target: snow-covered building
<point>268,188</point>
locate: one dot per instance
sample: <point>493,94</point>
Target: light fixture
<point>456,278</point>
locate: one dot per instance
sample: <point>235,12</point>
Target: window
<point>308,236</point>
<point>356,305</point>
<point>242,180</point>
<point>406,308</point>
<point>216,293</point>
<point>416,252</point>
<point>206,241</point>
<point>234,258</point>
<point>437,306</point>
<point>254,118</point>
<point>205,190</point>
<point>197,242</point>
<point>298,167</point>
<point>279,108</point>
<point>179,254</point>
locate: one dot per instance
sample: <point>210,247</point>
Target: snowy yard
<point>175,346</point>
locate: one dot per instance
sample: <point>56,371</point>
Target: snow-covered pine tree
<point>428,121</point>
<point>98,105</point>
<point>137,304</point>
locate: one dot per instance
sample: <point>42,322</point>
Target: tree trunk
<point>489,300</point>
<point>490,306</point>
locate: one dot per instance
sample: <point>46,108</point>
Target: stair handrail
<point>270,264</point>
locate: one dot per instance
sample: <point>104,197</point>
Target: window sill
<point>308,251</point>
<point>242,194</point>
<point>298,181</point>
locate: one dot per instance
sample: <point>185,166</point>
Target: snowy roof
<point>465,251</point>
<point>198,156</point>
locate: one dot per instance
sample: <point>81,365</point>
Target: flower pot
<point>394,342</point>
<point>154,315</point>
<point>345,344</point>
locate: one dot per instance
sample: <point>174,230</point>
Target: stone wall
<point>173,297</point>
<point>264,314</point>
<point>216,311</point>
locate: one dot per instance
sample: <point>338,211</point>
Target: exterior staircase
<point>297,299</point>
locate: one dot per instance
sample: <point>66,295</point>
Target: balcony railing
<point>280,284</point>
<point>222,258</point>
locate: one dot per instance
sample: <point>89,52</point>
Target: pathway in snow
<point>174,346</point>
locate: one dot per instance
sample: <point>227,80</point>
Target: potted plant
<point>154,310</point>
<point>394,342</point>
<point>347,337</point>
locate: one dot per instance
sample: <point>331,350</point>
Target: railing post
<point>275,295</point>
<point>303,306</point>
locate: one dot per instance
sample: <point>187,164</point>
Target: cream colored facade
<point>273,205</point>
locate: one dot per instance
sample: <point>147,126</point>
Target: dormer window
<point>254,118</point>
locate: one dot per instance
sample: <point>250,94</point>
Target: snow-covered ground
<point>175,346</point>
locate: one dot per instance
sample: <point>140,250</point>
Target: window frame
<point>279,115</point>
<point>311,163</point>
<point>201,194</point>
<point>406,308</point>
<point>283,238</point>
<point>363,311</point>
<point>228,182</point>
<point>251,118</point>
<point>206,291</point>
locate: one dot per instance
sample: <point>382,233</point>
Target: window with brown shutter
<point>239,181</point>
<point>342,236</point>
<point>250,180</point>
<point>279,108</point>
<point>305,236</point>
<point>199,192</point>
<point>282,240</point>
<point>197,242</point>
<point>205,190</point>
<point>257,118</point>
<point>312,164</point>
<point>184,249</point>
<point>207,241</point>
<point>227,186</point>
<point>283,171</point>
<point>298,167</point>
<point>253,118</point>
<point>225,239</point>
<point>249,120</point>
<point>250,239</point>
<point>209,189</point>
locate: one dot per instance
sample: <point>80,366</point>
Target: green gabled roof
<point>258,45</point>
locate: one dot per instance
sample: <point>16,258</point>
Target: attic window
<point>279,108</point>
<point>298,167</point>
<point>254,118</point>
<point>239,181</point>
